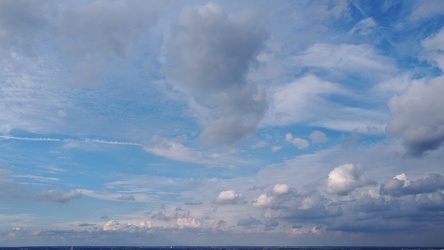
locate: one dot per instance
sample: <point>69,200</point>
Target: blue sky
<point>221,123</point>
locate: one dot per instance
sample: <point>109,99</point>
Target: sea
<point>214,248</point>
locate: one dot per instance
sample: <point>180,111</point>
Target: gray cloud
<point>390,214</point>
<point>403,186</point>
<point>270,224</point>
<point>97,35</point>
<point>211,54</point>
<point>418,116</point>
<point>194,203</point>
<point>249,222</point>
<point>126,197</point>
<point>87,39</point>
<point>7,185</point>
<point>55,195</point>
<point>303,207</point>
<point>22,22</point>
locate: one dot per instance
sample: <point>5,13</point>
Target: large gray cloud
<point>21,24</point>
<point>401,185</point>
<point>418,116</point>
<point>211,54</point>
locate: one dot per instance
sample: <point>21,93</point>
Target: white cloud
<point>37,178</point>
<point>299,100</point>
<point>305,230</point>
<point>306,100</point>
<point>111,225</point>
<point>347,58</point>
<point>310,202</point>
<point>228,197</point>
<point>298,142</point>
<point>114,225</point>
<point>344,179</point>
<point>418,116</point>
<point>280,189</point>
<point>318,137</point>
<point>426,9</point>
<point>175,150</point>
<point>364,26</point>
<point>263,201</point>
<point>27,100</point>
<point>188,222</point>
<point>434,46</point>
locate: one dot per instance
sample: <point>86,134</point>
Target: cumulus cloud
<point>297,142</point>
<point>55,195</point>
<point>211,54</point>
<point>114,225</point>
<point>188,222</point>
<point>280,189</point>
<point>228,197</point>
<point>344,179</point>
<point>263,201</point>
<point>298,230</point>
<point>418,117</point>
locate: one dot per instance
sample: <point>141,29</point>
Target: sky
<point>286,123</point>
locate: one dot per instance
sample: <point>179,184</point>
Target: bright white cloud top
<point>221,123</point>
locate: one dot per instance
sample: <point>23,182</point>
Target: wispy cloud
<point>86,140</point>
